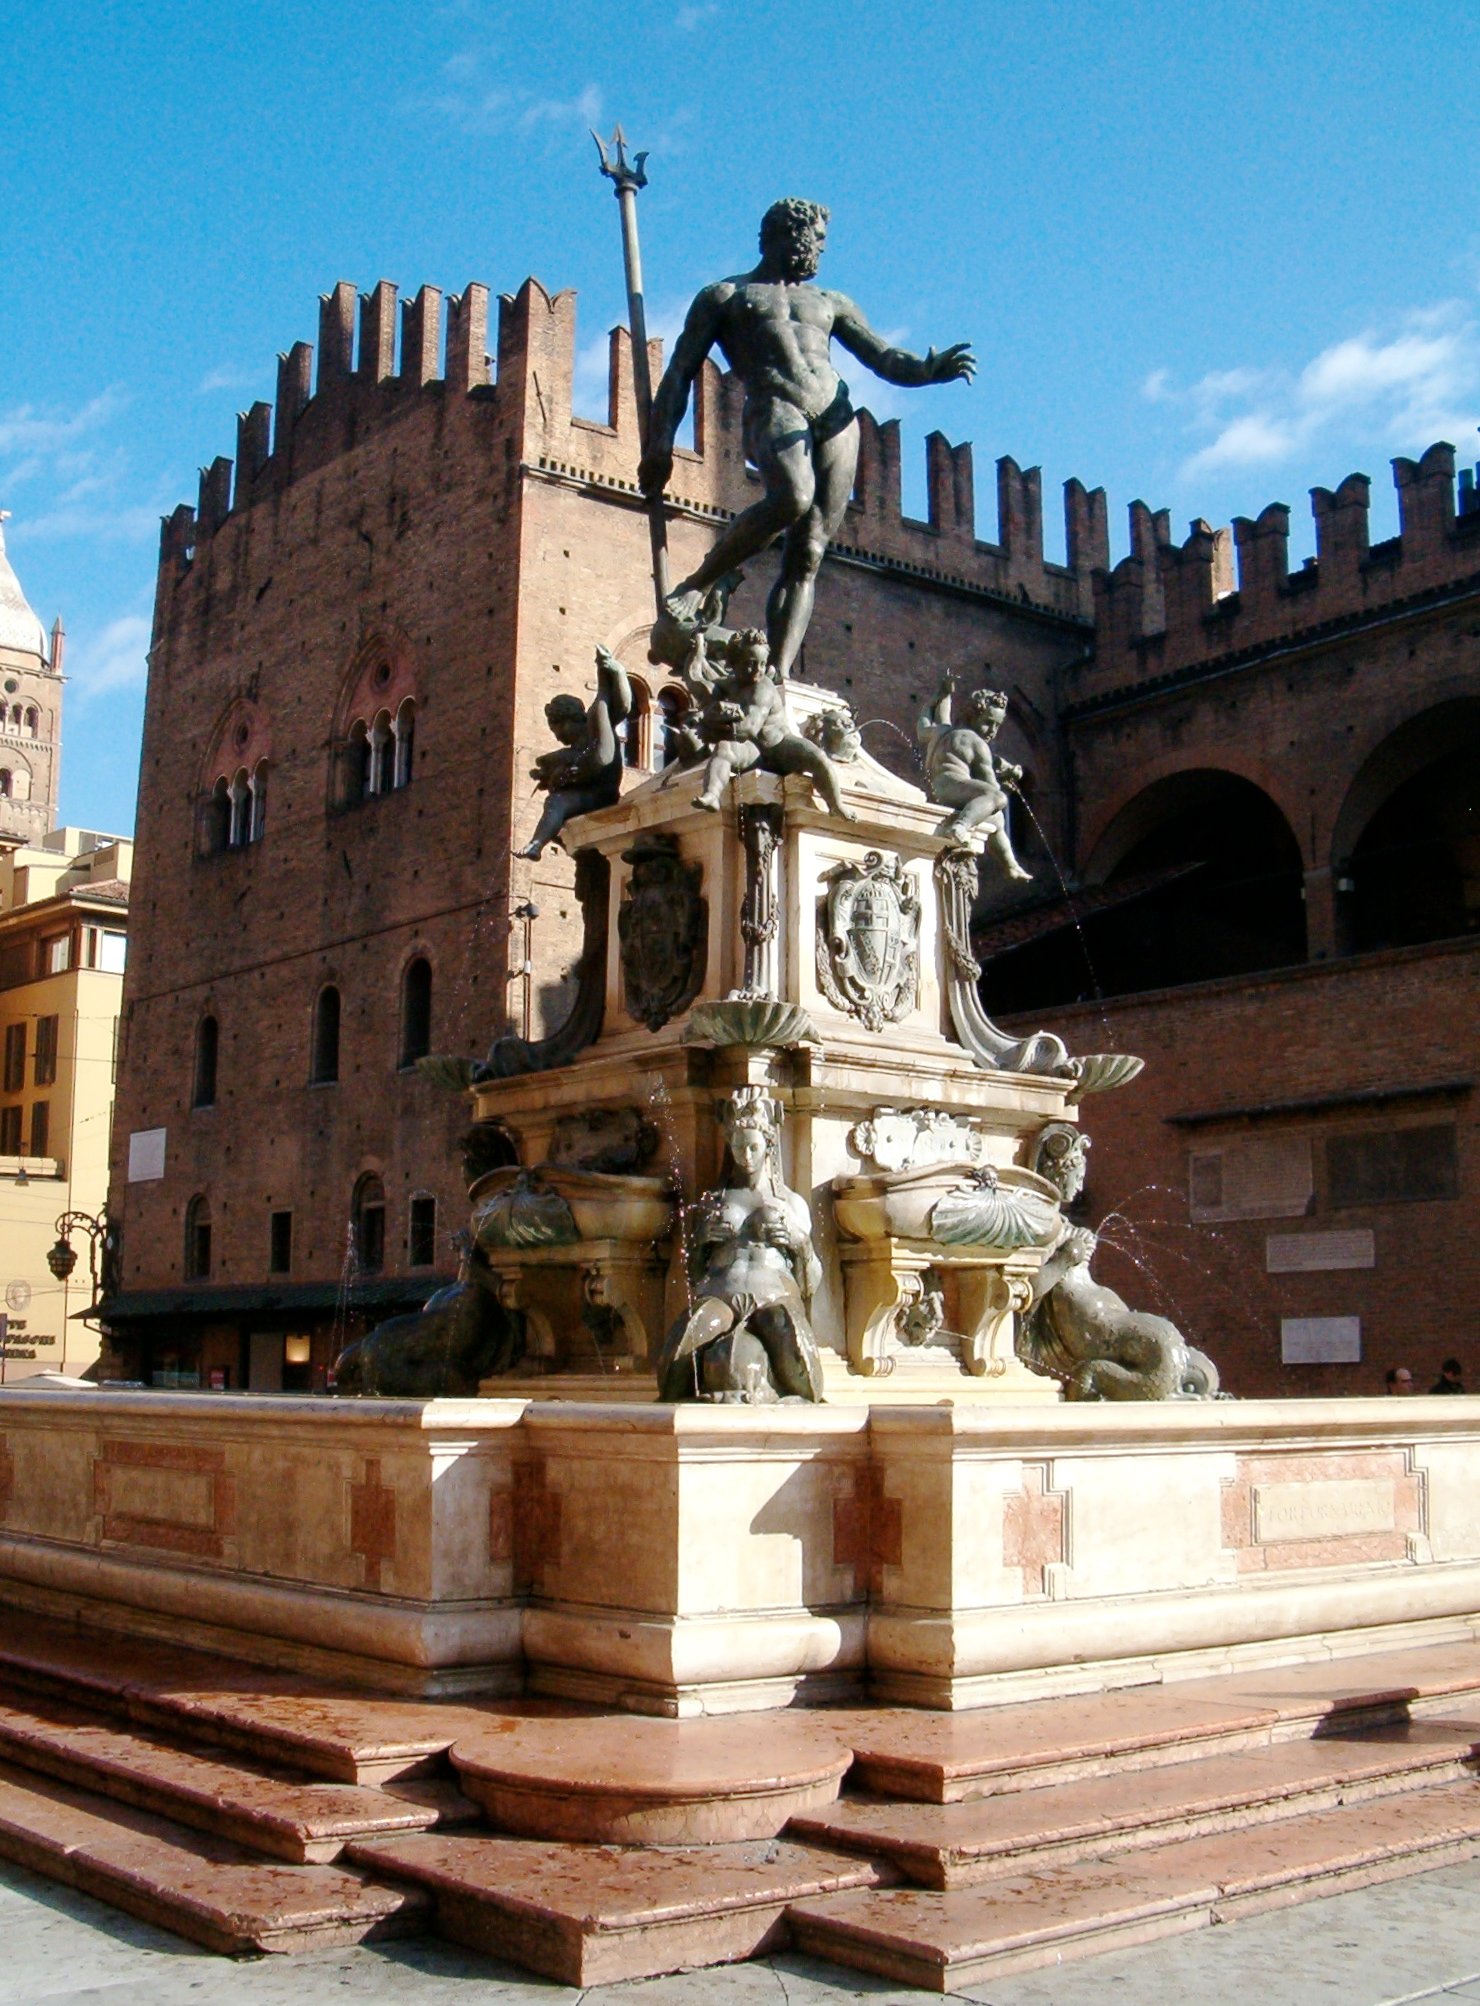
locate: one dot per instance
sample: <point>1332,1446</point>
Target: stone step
<point>595,1915</point>
<point>305,1724</point>
<point>207,1889</point>
<point>974,1839</point>
<point>940,1758</point>
<point>944,1940</point>
<point>269,1810</point>
<point>618,1780</point>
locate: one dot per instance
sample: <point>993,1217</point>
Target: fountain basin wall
<point>680,1560</point>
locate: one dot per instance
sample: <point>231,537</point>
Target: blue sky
<point>1209,256</point>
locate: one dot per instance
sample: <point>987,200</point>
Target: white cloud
<point>1398,386</point>
<point>113,659</point>
<point>27,431</point>
<point>582,110</point>
<point>224,378</point>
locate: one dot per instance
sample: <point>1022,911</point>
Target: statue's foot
<point>1018,876</point>
<point>710,801</point>
<point>532,852</point>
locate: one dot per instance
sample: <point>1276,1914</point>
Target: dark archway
<point>1410,872</point>
<point>1198,878</point>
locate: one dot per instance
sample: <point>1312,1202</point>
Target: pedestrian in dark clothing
<point>1451,1378</point>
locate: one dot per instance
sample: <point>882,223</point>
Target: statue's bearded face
<point>793,237</point>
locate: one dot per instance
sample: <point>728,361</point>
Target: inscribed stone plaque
<point>1321,1340</point>
<point>1257,1177</point>
<point>1304,1253</point>
<point>1335,1509</point>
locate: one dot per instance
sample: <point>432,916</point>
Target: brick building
<point>357,629</point>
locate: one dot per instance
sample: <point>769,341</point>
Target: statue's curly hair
<point>792,217</point>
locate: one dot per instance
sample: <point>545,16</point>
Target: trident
<point>629,177</point>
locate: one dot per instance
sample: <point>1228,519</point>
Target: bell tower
<point>30,713</point>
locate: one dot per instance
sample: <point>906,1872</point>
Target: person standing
<point>1451,1378</point>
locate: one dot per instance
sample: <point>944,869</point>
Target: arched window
<point>416,1011</point>
<point>207,1045</point>
<point>357,764</point>
<point>405,742</point>
<point>33,721</point>
<point>7,783</point>
<point>382,755</point>
<point>368,1223</point>
<point>198,1239</point>
<point>324,1064</point>
<point>258,817</point>
<point>218,819</point>
<point>673,710</point>
<point>637,743</point>
<point>241,811</point>
<point>15,717</point>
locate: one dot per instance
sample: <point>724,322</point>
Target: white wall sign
<point>1321,1340</point>
<point>1305,1253</point>
<point>146,1155</point>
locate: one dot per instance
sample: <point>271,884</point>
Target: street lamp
<point>62,1258</point>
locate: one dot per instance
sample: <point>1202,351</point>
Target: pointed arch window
<point>257,819</point>
<point>416,1011</point>
<point>367,1215</point>
<point>241,811</point>
<point>198,1239</point>
<point>382,755</point>
<point>673,710</point>
<point>324,1061</point>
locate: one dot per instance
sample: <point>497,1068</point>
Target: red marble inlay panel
<point>868,1531</point>
<point>536,1529</point>
<point>204,1512</point>
<point>372,1521</point>
<point>1386,1476</point>
<point>1035,1529</point>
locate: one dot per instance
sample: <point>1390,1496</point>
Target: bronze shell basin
<point>900,1204</point>
<point>600,1205</point>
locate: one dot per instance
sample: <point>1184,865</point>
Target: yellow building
<point>63,935</point>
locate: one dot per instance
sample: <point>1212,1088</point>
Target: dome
<point>19,627</point>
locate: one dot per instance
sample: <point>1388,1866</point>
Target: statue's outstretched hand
<point>951,365</point>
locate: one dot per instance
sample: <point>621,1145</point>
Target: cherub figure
<point>747,1337</point>
<point>963,773</point>
<point>585,770</point>
<point>744,723</point>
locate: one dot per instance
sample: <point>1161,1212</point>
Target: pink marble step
<point>622,1780</point>
<point>272,1812</point>
<point>939,1758</point>
<point>202,1888</point>
<point>942,1941</point>
<point>969,1841</point>
<point>336,1733</point>
<point>593,1915</point>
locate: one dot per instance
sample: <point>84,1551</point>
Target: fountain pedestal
<point>776,946</point>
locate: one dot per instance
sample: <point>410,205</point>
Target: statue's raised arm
<point>775,330</point>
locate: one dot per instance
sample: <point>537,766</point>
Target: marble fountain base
<point>706,1560</point>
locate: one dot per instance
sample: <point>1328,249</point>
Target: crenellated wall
<point>1171,607</point>
<point>360,384</point>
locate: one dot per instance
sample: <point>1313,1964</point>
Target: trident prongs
<point>615,164</point>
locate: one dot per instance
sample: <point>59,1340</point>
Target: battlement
<point>1171,606</point>
<point>365,377</point>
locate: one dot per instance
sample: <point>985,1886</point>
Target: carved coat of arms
<point>663,928</point>
<point>868,940</point>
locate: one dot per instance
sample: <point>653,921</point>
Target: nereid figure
<point>747,1337</point>
<point>1080,1332</point>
